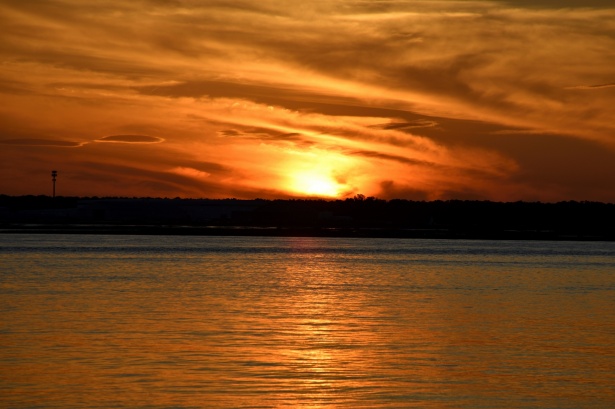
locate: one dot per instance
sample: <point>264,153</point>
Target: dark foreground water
<point>247,322</point>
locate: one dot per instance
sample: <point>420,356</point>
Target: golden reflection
<point>313,327</point>
<point>342,341</point>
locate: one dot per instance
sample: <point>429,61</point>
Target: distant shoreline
<point>357,217</point>
<point>335,232</point>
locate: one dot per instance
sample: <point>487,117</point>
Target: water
<point>234,322</point>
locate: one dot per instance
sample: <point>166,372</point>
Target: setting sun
<point>315,183</point>
<point>321,173</point>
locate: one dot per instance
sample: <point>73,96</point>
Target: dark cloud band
<point>42,142</point>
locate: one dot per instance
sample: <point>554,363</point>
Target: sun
<point>315,183</point>
<point>318,173</point>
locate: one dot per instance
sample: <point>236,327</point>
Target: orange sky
<point>273,99</point>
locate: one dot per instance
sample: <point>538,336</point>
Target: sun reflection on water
<point>303,323</point>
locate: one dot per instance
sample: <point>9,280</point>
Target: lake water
<point>94,321</point>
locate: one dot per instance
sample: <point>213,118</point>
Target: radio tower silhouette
<point>54,173</point>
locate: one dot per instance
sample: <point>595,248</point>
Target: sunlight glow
<point>315,183</point>
<point>318,173</point>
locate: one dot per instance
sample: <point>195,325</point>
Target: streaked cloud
<point>41,142</point>
<point>591,87</point>
<point>422,99</point>
<point>130,139</point>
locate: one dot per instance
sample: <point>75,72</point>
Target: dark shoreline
<point>354,217</point>
<point>333,232</point>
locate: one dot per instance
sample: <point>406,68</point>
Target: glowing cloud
<point>418,99</point>
<point>130,139</point>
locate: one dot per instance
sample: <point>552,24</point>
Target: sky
<point>409,99</point>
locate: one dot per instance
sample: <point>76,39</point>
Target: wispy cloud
<point>414,98</point>
<point>592,87</point>
<point>42,142</point>
<point>130,139</point>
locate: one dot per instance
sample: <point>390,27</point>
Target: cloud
<point>191,172</point>
<point>593,87</point>
<point>42,142</point>
<point>130,139</point>
<point>266,135</point>
<point>415,124</point>
<point>439,97</point>
<point>559,4</point>
<point>389,157</point>
<point>169,182</point>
